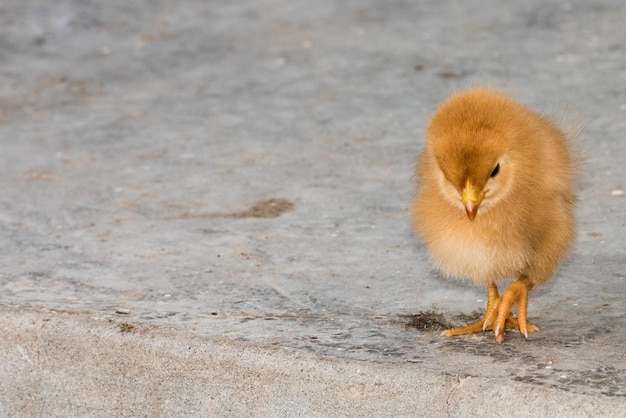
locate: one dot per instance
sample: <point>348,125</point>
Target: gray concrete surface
<point>138,278</point>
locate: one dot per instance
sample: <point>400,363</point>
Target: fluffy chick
<point>495,200</point>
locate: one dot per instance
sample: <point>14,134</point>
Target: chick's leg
<point>516,294</point>
<point>493,300</point>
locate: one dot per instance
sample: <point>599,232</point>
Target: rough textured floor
<point>203,209</point>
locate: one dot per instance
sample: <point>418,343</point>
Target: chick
<point>495,200</point>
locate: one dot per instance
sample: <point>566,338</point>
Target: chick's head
<point>473,139</point>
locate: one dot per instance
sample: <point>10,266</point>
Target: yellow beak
<point>471,199</point>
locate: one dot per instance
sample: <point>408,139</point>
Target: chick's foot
<point>516,294</point>
<point>498,315</point>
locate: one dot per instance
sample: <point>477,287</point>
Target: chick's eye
<point>495,171</point>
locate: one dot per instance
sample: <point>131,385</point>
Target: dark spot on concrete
<point>126,327</point>
<point>426,321</point>
<point>451,74</point>
<point>271,208</point>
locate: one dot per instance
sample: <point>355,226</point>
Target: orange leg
<point>498,315</point>
<point>493,300</point>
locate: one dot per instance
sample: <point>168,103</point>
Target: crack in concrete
<point>454,388</point>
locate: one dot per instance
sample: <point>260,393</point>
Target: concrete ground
<point>203,209</point>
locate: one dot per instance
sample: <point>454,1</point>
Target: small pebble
<point>122,311</point>
<point>617,192</point>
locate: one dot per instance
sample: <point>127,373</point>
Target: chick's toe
<point>485,323</point>
<point>516,294</point>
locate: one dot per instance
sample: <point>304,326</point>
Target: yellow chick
<point>495,200</point>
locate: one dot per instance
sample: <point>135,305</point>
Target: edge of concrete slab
<point>82,364</point>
